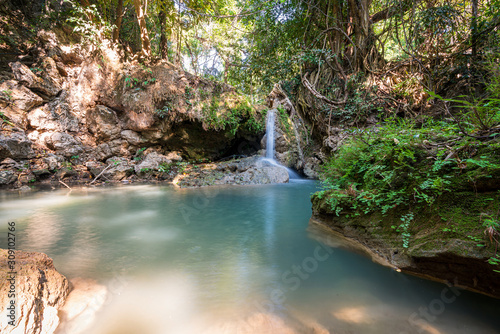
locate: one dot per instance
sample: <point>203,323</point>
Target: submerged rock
<point>39,292</point>
<point>87,297</point>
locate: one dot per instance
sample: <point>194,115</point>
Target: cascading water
<point>270,145</point>
<point>270,135</point>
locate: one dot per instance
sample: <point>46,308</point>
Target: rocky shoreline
<point>446,264</point>
<point>45,301</point>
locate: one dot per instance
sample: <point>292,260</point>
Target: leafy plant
<point>88,22</point>
<point>36,70</point>
<point>139,154</point>
<point>6,94</point>
<point>165,110</point>
<point>165,167</point>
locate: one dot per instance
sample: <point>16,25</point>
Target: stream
<point>228,260</point>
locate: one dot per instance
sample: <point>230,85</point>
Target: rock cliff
<point>74,112</point>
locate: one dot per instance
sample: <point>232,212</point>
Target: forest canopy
<point>256,43</point>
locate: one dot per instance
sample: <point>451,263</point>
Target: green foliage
<point>92,31</point>
<point>6,95</point>
<point>283,119</point>
<point>164,111</point>
<point>165,167</point>
<point>36,70</point>
<point>139,154</point>
<point>219,116</point>
<point>188,95</point>
<point>381,169</point>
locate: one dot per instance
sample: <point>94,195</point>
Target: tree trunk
<point>163,35</point>
<point>474,29</point>
<point>140,10</point>
<point>118,21</point>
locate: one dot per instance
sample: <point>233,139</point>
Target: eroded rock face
<point>54,116</point>
<point>45,86</point>
<point>151,162</point>
<point>62,143</point>
<point>7,177</point>
<point>16,101</point>
<point>121,168</point>
<point>15,145</point>
<point>103,123</point>
<point>40,292</point>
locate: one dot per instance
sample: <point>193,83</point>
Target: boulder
<point>121,168</point>
<point>151,162</point>
<point>95,167</point>
<point>54,116</point>
<point>9,163</point>
<point>132,137</point>
<point>7,177</point>
<point>15,145</point>
<point>16,100</point>
<point>40,292</point>
<point>103,123</point>
<point>46,86</point>
<point>53,161</point>
<point>109,149</point>
<point>63,143</point>
<point>253,170</point>
<point>261,175</point>
<point>86,298</point>
<point>174,156</point>
<point>311,167</point>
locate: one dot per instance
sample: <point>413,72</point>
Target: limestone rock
<point>7,177</point>
<point>151,162</point>
<point>54,116</point>
<point>16,100</point>
<point>78,313</point>
<point>95,167</point>
<point>53,161</point>
<point>174,156</point>
<point>9,163</point>
<point>15,145</point>
<point>120,170</point>
<point>251,170</point>
<point>63,143</point>
<point>132,137</point>
<point>113,148</point>
<point>311,167</point>
<point>103,123</point>
<point>40,292</point>
<point>45,86</point>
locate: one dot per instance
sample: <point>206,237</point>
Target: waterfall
<point>270,135</point>
<point>270,145</point>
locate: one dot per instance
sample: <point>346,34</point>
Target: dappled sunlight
<point>428,329</point>
<point>354,315</point>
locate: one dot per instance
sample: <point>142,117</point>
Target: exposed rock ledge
<point>45,300</point>
<point>471,272</point>
<point>253,170</point>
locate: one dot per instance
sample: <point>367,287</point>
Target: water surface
<point>228,260</point>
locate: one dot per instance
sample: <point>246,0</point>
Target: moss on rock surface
<point>426,201</point>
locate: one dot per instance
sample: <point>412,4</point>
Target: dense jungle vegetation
<point>402,97</point>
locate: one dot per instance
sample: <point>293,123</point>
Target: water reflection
<point>227,265</point>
